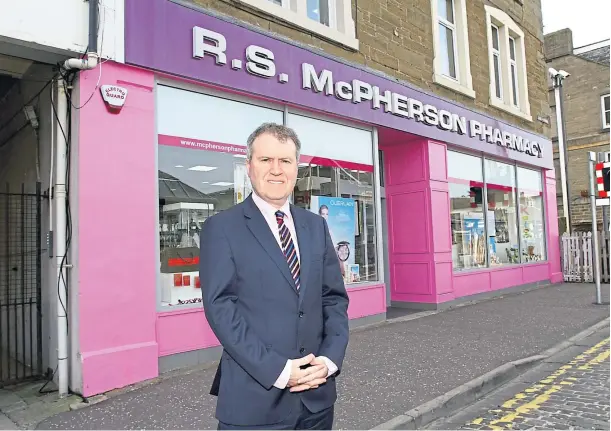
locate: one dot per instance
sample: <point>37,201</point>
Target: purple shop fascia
<point>261,62</point>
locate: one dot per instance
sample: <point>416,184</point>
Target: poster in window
<point>474,227</point>
<point>340,216</point>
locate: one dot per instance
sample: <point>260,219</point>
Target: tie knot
<point>280,217</point>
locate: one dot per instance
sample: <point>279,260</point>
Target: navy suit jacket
<point>259,317</point>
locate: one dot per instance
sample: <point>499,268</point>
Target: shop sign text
<point>260,62</point>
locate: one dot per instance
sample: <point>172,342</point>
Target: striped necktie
<point>288,248</point>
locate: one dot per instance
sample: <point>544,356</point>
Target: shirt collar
<point>269,210</point>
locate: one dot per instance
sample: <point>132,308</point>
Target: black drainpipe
<point>93,26</point>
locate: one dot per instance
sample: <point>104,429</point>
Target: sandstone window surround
<point>605,105</point>
<point>331,19</point>
<point>451,63</point>
<point>507,62</point>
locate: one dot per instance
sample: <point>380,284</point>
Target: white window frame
<point>464,82</point>
<point>508,28</point>
<point>341,27</point>
<point>452,27</point>
<point>602,110</point>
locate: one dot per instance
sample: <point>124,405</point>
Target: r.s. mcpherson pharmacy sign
<point>261,62</point>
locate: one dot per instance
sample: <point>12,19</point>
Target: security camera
<point>555,73</point>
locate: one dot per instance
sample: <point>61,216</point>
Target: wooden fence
<point>577,256</point>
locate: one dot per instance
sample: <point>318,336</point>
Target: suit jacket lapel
<point>260,229</point>
<point>303,242</point>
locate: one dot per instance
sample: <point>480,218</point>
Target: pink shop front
<point>404,175</point>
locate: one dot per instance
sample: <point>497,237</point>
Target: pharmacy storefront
<point>427,202</point>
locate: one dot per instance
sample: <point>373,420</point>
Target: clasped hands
<point>307,378</point>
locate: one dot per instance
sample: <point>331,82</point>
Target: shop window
<point>504,244</point>
<point>531,215</point>
<point>340,190</point>
<point>201,171</point>
<point>466,186</point>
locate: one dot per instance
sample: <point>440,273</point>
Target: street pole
<point>593,193</point>
<point>557,78</point>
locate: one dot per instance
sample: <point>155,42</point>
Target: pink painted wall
<point>553,236</point>
<point>414,262</point>
<point>420,243</point>
<point>117,253</point>
<point>121,334</point>
<point>172,338</point>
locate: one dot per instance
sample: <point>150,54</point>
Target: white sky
<point>589,20</point>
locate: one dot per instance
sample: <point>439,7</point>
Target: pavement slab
<point>389,369</point>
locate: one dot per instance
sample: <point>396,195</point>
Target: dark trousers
<point>303,419</point>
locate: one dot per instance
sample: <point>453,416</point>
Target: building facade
<point>422,143</point>
<point>402,169</point>
<point>32,45</point>
<point>586,112</point>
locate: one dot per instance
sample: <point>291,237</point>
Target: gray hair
<point>279,131</point>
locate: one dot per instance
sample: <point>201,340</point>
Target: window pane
<point>201,172</point>
<point>607,118</point>
<point>466,203</point>
<point>531,215</point>
<point>340,190</point>
<point>278,2</point>
<point>495,38</point>
<point>318,10</point>
<point>497,75</point>
<point>512,48</point>
<point>318,139</point>
<point>446,10</point>
<point>607,103</point>
<point>345,197</point>
<point>446,44</point>
<point>514,84</point>
<point>467,221</point>
<point>193,185</point>
<point>503,238</point>
<point>464,167</point>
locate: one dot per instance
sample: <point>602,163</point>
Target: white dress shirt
<point>269,214</point>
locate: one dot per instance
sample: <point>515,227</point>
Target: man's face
<point>272,169</point>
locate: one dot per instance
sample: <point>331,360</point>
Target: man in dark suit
<point>274,296</point>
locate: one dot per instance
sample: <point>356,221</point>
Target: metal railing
<point>20,286</point>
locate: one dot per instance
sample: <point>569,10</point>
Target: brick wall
<point>582,111</point>
<point>395,37</point>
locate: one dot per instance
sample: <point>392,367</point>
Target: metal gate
<point>20,286</point>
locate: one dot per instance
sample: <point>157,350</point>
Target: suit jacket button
<point>301,350</point>
<point>301,314</point>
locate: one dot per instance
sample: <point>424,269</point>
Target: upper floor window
<point>451,45</point>
<point>605,103</point>
<point>330,19</point>
<point>322,11</point>
<point>507,58</point>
